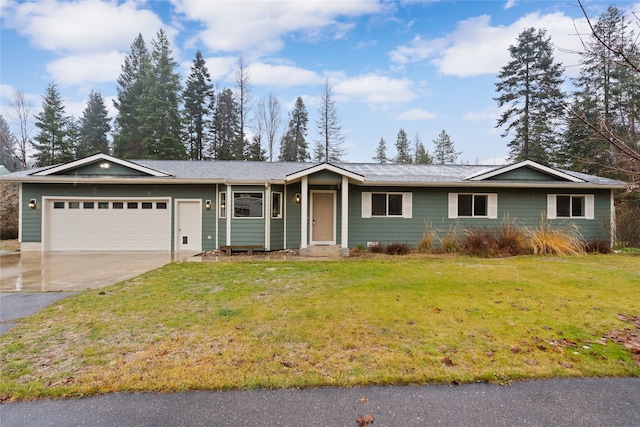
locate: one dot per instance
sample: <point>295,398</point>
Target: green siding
<point>293,212</point>
<point>32,218</point>
<point>325,177</point>
<point>524,207</point>
<point>525,174</point>
<point>247,231</point>
<point>115,169</point>
<point>277,225</point>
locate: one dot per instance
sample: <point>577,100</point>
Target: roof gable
<point>526,170</point>
<point>324,167</point>
<point>101,164</point>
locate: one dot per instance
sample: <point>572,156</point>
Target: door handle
<point>313,222</point>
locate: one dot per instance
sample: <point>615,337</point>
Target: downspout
<point>304,212</point>
<point>267,217</point>
<point>215,215</point>
<point>229,214</point>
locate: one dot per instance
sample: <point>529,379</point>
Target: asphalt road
<point>20,304</point>
<point>573,402</point>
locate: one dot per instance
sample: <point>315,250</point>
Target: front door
<point>322,217</point>
<point>189,225</point>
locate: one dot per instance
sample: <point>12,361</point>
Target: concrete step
<point>324,251</point>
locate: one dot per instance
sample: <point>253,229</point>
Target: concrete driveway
<point>75,271</point>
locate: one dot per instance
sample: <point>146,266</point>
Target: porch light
<point>32,204</point>
<point>298,198</point>
<point>207,205</point>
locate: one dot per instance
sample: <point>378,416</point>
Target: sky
<point>423,66</point>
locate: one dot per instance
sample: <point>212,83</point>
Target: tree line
<point>593,129</point>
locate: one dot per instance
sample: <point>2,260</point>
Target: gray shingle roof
<point>383,173</point>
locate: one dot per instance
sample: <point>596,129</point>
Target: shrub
<point>397,249</point>
<point>8,211</point>
<point>597,246</point>
<point>377,248</point>
<point>480,243</point>
<point>512,240</point>
<point>547,240</point>
<point>430,235</point>
<point>628,220</point>
<point>451,241</point>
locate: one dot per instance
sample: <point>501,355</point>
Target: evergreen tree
<point>608,94</point>
<point>8,143</point>
<point>529,87</point>
<point>422,156</point>
<point>160,122</point>
<point>52,143</point>
<point>403,151</point>
<point>444,151</point>
<point>127,141</point>
<point>199,101</point>
<point>329,148</point>
<point>381,152</point>
<point>294,147</point>
<point>255,152</point>
<point>93,127</point>
<point>226,128</point>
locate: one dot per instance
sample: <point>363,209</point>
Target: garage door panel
<point>108,229</point>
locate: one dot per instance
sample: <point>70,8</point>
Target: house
<point>105,203</point>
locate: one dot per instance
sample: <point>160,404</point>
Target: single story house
<point>106,203</point>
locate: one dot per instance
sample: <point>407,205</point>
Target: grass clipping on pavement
<point>388,320</point>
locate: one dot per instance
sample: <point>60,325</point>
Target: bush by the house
<point>397,249</point>
<point>628,220</point>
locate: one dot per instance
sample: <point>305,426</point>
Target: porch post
<point>304,213</point>
<point>229,209</point>
<point>344,235</point>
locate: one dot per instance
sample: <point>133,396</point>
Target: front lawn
<point>387,320</point>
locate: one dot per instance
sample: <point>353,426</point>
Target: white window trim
<point>407,204</point>
<point>233,197</point>
<point>589,206</point>
<point>492,205</point>
<point>279,216</point>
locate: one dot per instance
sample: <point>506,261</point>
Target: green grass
<point>383,320</point>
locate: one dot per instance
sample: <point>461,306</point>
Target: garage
<point>82,224</point>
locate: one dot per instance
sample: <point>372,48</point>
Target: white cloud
<point>476,47</point>
<point>489,113</point>
<point>258,27</point>
<point>86,68</point>
<point>281,75</point>
<point>81,26</point>
<point>416,114</point>
<point>377,91</point>
<point>509,4</point>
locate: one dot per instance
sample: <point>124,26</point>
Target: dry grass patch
<point>386,320</point>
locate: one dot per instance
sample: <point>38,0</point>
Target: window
<point>132,205</point>
<point>74,205</point>
<point>118,205</point>
<point>276,205</point>
<point>87,205</point>
<point>58,205</point>
<point>472,205</point>
<point>223,204</point>
<point>247,205</point>
<point>387,205</point>
<point>103,205</point>
<point>161,205</point>
<point>570,206</point>
<point>147,205</point>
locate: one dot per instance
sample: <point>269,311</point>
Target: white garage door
<point>103,225</point>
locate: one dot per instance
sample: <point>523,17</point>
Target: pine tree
<point>608,94</point>
<point>529,87</point>
<point>444,151</point>
<point>255,152</point>
<point>294,147</point>
<point>226,128</point>
<point>127,141</point>
<point>199,101</point>
<point>52,143</point>
<point>93,127</point>
<point>422,156</point>
<point>403,151</point>
<point>329,148</point>
<point>8,143</point>
<point>381,152</point>
<point>160,122</point>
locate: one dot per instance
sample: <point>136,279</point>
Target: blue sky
<point>424,66</point>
